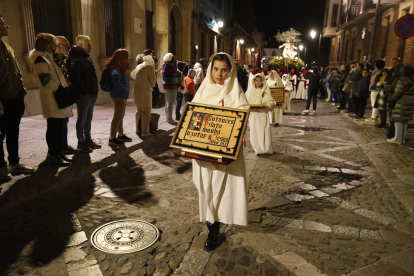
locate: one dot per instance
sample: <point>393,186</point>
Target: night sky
<point>303,15</point>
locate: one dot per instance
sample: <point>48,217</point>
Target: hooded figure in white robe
<point>288,88</point>
<point>222,189</point>
<point>276,113</point>
<point>259,121</point>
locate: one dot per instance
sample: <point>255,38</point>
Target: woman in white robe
<point>288,89</point>
<point>222,189</point>
<point>259,121</point>
<point>302,87</point>
<point>276,113</point>
<point>294,80</point>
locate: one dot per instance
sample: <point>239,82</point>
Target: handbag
<point>65,96</point>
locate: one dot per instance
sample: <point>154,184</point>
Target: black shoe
<point>58,161</point>
<point>65,158</point>
<point>276,125</point>
<point>380,126</point>
<point>69,150</point>
<point>390,135</point>
<point>115,142</point>
<point>411,147</point>
<point>213,239</point>
<point>124,138</point>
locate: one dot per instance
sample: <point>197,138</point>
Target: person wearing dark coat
<point>402,103</point>
<point>313,87</point>
<point>341,84</point>
<point>84,81</point>
<point>361,94</point>
<point>389,92</point>
<point>395,62</point>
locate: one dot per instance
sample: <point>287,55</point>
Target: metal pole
<point>319,48</point>
<point>374,29</point>
<point>402,49</point>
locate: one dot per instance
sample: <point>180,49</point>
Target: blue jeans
<point>310,96</point>
<point>10,128</point>
<point>85,113</point>
<point>180,97</point>
<point>334,97</point>
<point>170,95</point>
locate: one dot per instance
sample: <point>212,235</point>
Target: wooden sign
<point>278,94</point>
<point>211,131</point>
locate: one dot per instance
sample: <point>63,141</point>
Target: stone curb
<point>88,170</point>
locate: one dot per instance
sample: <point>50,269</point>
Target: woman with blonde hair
<point>118,64</point>
<point>51,79</point>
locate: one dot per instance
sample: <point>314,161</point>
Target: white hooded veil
<point>277,81</point>
<point>230,92</point>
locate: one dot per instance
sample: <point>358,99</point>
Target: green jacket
<point>11,82</point>
<point>403,98</point>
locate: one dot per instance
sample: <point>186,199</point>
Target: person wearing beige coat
<point>50,78</point>
<point>144,76</point>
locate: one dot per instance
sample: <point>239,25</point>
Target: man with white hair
<point>84,81</point>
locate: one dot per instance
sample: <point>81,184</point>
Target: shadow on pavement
<point>165,155</point>
<point>126,180</point>
<point>40,228</point>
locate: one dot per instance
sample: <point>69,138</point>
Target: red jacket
<point>189,85</point>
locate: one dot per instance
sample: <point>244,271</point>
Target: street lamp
<point>313,35</point>
<point>301,47</point>
<point>252,49</point>
<point>220,24</point>
<point>241,41</point>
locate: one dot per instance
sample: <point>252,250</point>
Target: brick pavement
<point>334,199</point>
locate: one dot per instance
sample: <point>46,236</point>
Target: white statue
<point>289,49</point>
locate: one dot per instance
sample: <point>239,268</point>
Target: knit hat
<point>180,65</point>
<point>191,73</point>
<point>168,57</point>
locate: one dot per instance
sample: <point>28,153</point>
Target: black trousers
<point>188,97</point>
<point>10,129</point>
<point>64,140</point>
<point>54,135</point>
<point>383,115</point>
<point>359,106</point>
<point>350,102</point>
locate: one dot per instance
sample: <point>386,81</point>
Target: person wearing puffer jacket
<point>199,77</point>
<point>145,79</point>
<point>389,89</point>
<point>402,103</point>
<point>171,82</point>
<point>50,78</point>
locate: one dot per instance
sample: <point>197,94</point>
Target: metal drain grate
<point>124,236</point>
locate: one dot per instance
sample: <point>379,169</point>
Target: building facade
<point>350,24</point>
<point>186,28</point>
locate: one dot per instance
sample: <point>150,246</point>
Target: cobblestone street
<point>334,199</point>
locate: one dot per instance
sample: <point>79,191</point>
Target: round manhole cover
<point>124,236</point>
